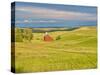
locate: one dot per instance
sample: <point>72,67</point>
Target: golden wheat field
<point>75,49</point>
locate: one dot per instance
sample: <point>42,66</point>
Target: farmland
<point>76,49</point>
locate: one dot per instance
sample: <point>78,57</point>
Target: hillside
<point>76,49</point>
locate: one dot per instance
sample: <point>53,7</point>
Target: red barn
<point>47,37</point>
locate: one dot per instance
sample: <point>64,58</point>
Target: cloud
<point>39,12</point>
<point>37,21</point>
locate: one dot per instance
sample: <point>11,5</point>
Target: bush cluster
<point>23,34</point>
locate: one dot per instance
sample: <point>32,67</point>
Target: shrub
<point>58,37</point>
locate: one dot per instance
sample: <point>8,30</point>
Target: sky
<point>54,15</point>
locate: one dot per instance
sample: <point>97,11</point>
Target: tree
<point>27,34</point>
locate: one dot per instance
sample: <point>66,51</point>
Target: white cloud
<point>37,21</point>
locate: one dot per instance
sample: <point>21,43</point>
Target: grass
<point>76,49</point>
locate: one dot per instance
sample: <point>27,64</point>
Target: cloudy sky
<point>54,15</point>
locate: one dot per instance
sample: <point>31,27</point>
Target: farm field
<point>75,49</point>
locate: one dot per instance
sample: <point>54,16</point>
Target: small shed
<point>47,37</point>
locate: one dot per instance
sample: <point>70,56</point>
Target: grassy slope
<point>75,50</point>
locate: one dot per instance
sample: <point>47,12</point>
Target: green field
<point>76,49</point>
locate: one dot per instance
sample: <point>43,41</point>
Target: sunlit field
<point>74,49</point>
